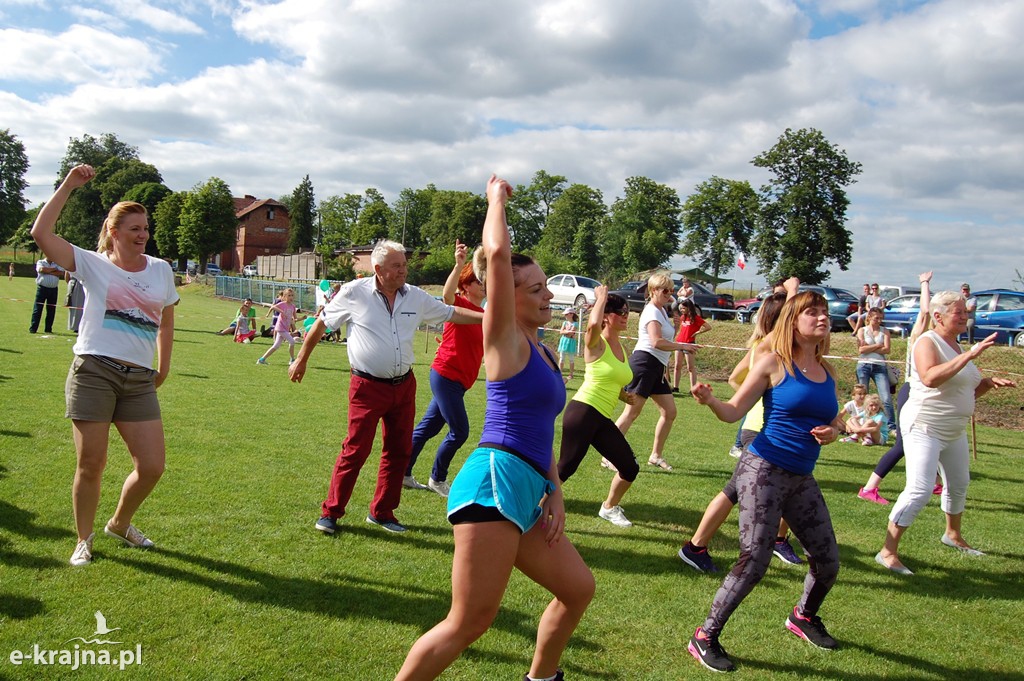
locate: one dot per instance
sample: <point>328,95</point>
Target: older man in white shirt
<point>382,314</point>
<point>48,276</point>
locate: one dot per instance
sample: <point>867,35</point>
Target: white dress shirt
<point>380,339</point>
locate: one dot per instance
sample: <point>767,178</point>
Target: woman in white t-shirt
<point>649,360</point>
<point>943,386</point>
<point>128,316</point>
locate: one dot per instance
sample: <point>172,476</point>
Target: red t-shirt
<point>688,329</point>
<point>462,349</point>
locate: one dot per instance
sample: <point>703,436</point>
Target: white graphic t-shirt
<point>122,309</point>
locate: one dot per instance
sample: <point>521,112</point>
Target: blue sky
<point>356,93</point>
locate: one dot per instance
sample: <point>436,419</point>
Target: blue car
<point>1001,311</point>
<point>901,313</point>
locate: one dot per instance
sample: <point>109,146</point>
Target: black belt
<point>397,380</point>
<point>123,368</point>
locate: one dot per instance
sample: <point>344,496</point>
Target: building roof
<point>247,204</point>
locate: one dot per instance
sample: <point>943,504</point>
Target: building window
<point>270,214</point>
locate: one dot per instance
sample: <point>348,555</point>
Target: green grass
<point>242,587</point>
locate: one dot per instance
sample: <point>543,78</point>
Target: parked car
<point>743,305</point>
<point>891,292</point>
<point>572,289</point>
<point>1002,311</point>
<point>901,313</point>
<point>249,271</point>
<point>635,293</point>
<point>212,269</point>
<point>841,304</point>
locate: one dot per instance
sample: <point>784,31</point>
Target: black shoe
<point>710,653</point>
<point>811,630</point>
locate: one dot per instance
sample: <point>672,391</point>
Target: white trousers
<point>926,455</point>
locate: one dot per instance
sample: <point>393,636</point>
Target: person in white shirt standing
<point>48,274</point>
<point>382,314</point>
<point>128,316</point>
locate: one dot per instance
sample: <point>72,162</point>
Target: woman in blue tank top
<point>510,481</point>
<point>774,478</point>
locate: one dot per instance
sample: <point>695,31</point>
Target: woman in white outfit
<point>943,386</point>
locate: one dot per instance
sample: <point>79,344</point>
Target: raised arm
<point>921,323</point>
<point>55,247</point>
<point>502,347</point>
<point>451,284</point>
<point>592,336</point>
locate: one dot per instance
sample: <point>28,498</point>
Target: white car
<point>249,271</point>
<point>572,289</point>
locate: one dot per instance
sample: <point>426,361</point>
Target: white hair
<point>381,250</point>
<point>943,299</point>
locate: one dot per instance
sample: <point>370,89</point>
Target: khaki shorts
<point>95,391</point>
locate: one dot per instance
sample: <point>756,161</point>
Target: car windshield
<point>587,283</point>
<point>842,294</point>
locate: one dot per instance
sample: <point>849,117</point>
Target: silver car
<point>572,289</point>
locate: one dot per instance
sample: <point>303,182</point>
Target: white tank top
<point>943,411</point>
<point>872,339</point>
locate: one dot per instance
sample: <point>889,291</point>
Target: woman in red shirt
<point>690,324</point>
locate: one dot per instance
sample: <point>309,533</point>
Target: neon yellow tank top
<point>603,380</point>
<point>755,417</point>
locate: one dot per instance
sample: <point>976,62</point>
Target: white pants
<point>926,454</point>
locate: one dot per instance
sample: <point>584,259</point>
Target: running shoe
<point>735,451</point>
<point>439,486</point>
<point>699,560</point>
<point>389,525</point>
<point>327,525</point>
<point>410,482</point>
<point>132,537</point>
<point>872,495</point>
<point>937,489</point>
<point>615,516</point>
<point>811,630</point>
<point>83,552</point>
<point>784,552</point>
<point>709,652</point>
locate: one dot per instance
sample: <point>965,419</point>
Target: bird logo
<point>101,630</point>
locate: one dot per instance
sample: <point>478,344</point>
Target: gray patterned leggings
<point>766,494</point>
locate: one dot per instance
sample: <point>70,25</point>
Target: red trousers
<point>370,402</point>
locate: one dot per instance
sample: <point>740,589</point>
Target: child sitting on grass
<point>854,412</point>
<point>876,429</point>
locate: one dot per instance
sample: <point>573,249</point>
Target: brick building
<point>263,227</point>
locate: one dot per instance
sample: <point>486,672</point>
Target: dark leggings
<point>583,426</point>
<point>745,437</point>
<point>767,494</point>
<point>895,453</point>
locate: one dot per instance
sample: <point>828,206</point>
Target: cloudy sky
<point>928,96</point>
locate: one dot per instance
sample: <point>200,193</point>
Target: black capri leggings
<point>583,426</point>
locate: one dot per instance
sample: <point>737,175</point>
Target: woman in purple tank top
<point>502,491</point>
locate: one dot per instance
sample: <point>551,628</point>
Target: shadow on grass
<point>19,607</point>
<point>15,433</point>
<point>19,521</point>
<point>12,558</point>
<point>5,378</point>
<point>200,376</point>
<point>13,352</point>
<point>336,595</point>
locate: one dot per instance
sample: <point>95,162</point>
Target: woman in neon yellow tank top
<point>587,420</point>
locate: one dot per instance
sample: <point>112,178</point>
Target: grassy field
<point>242,587</point>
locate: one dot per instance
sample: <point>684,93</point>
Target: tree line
<point>794,225</point>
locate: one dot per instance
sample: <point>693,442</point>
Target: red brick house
<point>263,227</point>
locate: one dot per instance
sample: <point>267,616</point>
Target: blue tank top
<point>791,409</point>
<point>521,410</point>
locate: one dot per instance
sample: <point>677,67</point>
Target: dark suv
<point>635,293</point>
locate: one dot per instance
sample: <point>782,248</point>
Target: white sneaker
<point>410,482</point>
<point>441,488</point>
<point>83,552</point>
<point>735,452</point>
<point>132,537</point>
<point>615,516</point>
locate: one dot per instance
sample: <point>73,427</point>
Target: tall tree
<point>530,207</point>
<point>167,221</point>
<point>719,219</point>
<point>573,231</point>
<point>149,194</point>
<point>301,211</point>
<point>643,232</point>
<point>13,166</point>
<point>338,215</point>
<point>116,177</point>
<point>803,207</point>
<point>83,214</point>
<point>208,222</point>
<point>372,224</point>
<point>410,212</point>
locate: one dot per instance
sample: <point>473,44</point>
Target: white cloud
<point>159,19</point>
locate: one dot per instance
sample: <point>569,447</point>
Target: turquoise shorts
<point>495,479</point>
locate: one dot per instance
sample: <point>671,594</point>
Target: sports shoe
<point>872,495</point>
<point>327,525</point>
<point>558,676</point>
<point>261,361</point>
<point>735,452</point>
<point>811,630</point>
<point>615,516</point>
<point>709,652</point>
<point>937,489</point>
<point>784,552</point>
<point>410,482</point>
<point>441,487</point>
<point>389,525</point>
<point>963,549</point>
<point>849,438</point>
<point>699,560</point>
<point>83,552</point>
<point>132,537</point>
